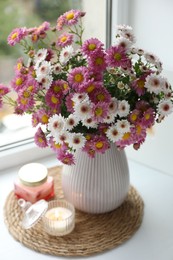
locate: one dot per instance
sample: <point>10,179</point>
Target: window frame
<point>26,150</point>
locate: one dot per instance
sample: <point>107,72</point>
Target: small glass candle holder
<point>59,219</point>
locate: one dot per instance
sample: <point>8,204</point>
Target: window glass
<point>31,13</point>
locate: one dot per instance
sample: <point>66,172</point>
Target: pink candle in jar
<point>33,183</point>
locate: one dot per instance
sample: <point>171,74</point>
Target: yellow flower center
<point>14,36</point>
<point>134,117</point>
<point>138,129</point>
<point>65,86</point>
<point>40,140</point>
<point>117,56</point>
<point>90,88</point>
<point>88,137</point>
<point>57,145</point>
<point>30,88</point>
<point>78,78</point>
<point>19,81</point>
<point>44,119</point>
<point>63,39</point>
<point>19,66</point>
<point>100,97</point>
<point>24,101</point>
<point>99,61</point>
<point>1,91</point>
<point>26,94</point>
<point>126,136</point>
<point>147,116</point>
<point>98,111</point>
<point>141,83</point>
<point>54,100</point>
<point>70,16</point>
<point>91,46</point>
<point>56,88</point>
<point>99,145</point>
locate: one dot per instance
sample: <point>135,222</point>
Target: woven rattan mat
<point>92,234</point>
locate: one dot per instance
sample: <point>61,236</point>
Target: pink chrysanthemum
<point>139,85</point>
<point>72,17</point>
<point>3,90</point>
<point>39,32</point>
<point>134,116</point>
<point>100,95</point>
<point>99,111</point>
<point>66,157</point>
<point>25,100</point>
<point>116,57</point>
<point>100,144</point>
<point>97,61</point>
<point>64,39</point>
<point>90,86</point>
<point>69,103</point>
<point>91,46</point>
<point>35,119</point>
<point>40,138</point>
<point>60,87</point>
<point>148,118</point>
<point>18,82</point>
<point>138,133</point>
<point>77,77</point>
<point>125,140</point>
<point>16,36</point>
<point>53,100</point>
<point>43,116</point>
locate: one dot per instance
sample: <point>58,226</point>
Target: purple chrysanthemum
<point>40,138</point>
<point>91,46</point>
<point>64,39</point>
<point>16,36</point>
<point>116,57</point>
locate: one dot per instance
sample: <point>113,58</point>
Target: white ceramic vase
<point>97,185</point>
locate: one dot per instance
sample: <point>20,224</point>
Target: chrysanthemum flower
<point>148,118</point>
<point>91,46</point>
<point>154,83</point>
<point>69,103</point>
<point>134,116</point>
<point>40,56</point>
<point>123,108</point>
<point>57,68</point>
<point>17,35</point>
<point>89,123</point>
<point>56,124</point>
<point>113,106</point>
<point>45,80</point>
<point>100,95</point>
<point>139,85</point>
<point>53,100</point>
<point>71,122</point>
<point>77,77</point>
<point>65,54</point>
<point>72,17</point>
<point>126,139</point>
<point>116,57</point>
<point>99,111</point>
<point>3,90</point>
<point>25,100</point>
<point>138,133</point>
<point>82,110</point>
<point>64,39</point>
<point>76,140</point>
<point>40,138</point>
<point>113,134</point>
<point>165,107</point>
<point>124,43</point>
<point>80,97</point>
<point>66,157</point>
<point>43,116</point>
<point>62,137</point>
<point>97,61</point>
<point>100,144</point>
<point>45,68</point>
<point>123,126</point>
<point>18,82</point>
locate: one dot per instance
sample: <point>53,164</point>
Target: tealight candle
<point>59,219</point>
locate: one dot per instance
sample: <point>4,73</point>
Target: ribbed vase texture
<point>97,185</point>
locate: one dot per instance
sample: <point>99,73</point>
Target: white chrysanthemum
<point>71,121</point>
<point>150,57</point>
<point>66,53</point>
<point>125,43</point>
<point>165,107</point>
<point>56,68</point>
<point>45,68</point>
<point>123,108</point>
<point>113,106</point>
<point>46,81</point>
<point>61,137</point>
<point>40,56</point>
<point>109,119</point>
<point>126,32</point>
<point>56,124</point>
<point>123,126</point>
<point>89,123</point>
<point>113,134</point>
<point>82,110</point>
<point>76,140</point>
<point>80,97</point>
<point>154,84</point>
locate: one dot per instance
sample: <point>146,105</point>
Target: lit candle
<point>59,218</point>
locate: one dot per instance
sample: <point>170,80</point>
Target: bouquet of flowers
<point>81,95</point>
